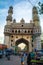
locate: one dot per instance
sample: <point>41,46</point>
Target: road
<point>15,60</point>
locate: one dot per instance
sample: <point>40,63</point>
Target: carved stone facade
<point>29,33</point>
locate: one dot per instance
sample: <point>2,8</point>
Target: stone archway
<point>22,40</point>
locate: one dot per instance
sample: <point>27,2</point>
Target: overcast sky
<point>21,9</point>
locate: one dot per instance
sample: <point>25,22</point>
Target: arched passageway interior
<point>23,44</point>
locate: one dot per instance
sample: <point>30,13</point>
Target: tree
<point>42,44</point>
<point>19,49</point>
<point>16,48</point>
<point>25,49</point>
<point>40,7</point>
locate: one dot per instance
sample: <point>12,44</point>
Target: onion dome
<point>14,21</point>
<point>22,20</point>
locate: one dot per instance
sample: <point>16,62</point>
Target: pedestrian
<point>29,59</point>
<point>7,55</point>
<point>22,59</point>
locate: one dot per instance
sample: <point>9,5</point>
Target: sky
<point>21,9</point>
<point>22,46</point>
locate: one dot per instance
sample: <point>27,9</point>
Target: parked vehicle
<point>32,55</point>
<point>39,55</point>
<point>41,58</point>
<point>9,51</point>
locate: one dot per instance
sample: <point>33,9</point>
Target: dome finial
<point>22,20</point>
<point>10,10</point>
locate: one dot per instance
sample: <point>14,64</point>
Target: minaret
<point>9,17</point>
<point>36,29</point>
<point>35,16</point>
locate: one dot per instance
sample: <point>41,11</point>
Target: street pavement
<point>14,60</point>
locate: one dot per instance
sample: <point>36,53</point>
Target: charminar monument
<point>27,33</point>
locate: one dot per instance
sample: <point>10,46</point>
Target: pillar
<point>7,41</point>
<point>30,47</point>
<point>37,43</point>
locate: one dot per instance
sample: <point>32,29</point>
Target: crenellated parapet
<point>19,28</point>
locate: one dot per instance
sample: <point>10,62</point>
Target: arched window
<point>25,31</point>
<point>11,44</point>
<point>31,31</point>
<point>12,36</point>
<point>18,31</point>
<point>28,31</point>
<point>8,30</point>
<point>16,36</point>
<point>11,40</point>
<point>27,37</point>
<point>32,45</point>
<point>15,31</point>
<point>22,25</point>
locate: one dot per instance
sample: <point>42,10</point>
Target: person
<point>32,55</point>
<point>29,59</point>
<point>8,55</point>
<point>22,59</point>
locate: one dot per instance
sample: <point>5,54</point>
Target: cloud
<point>23,10</point>
<point>3,14</point>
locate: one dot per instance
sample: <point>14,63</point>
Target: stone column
<point>13,47</point>
<point>7,41</point>
<point>30,47</point>
<point>38,43</point>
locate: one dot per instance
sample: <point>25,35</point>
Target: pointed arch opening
<point>23,44</point>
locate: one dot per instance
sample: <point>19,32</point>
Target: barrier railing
<point>37,62</point>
